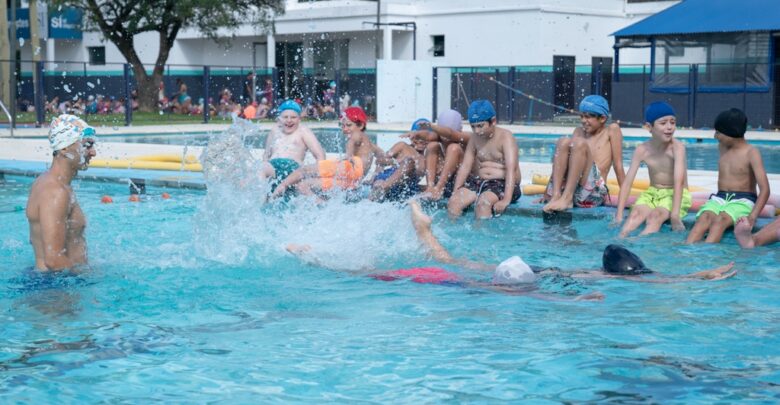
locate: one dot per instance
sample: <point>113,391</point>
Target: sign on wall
<point>64,23</point>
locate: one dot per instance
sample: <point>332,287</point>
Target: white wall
<point>405,90</point>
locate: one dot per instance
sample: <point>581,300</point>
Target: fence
<point>68,82</point>
<point>539,94</point>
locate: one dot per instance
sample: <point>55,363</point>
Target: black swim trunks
<point>736,195</point>
<point>496,186</point>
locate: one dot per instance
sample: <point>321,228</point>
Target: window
<point>97,55</point>
<point>438,45</point>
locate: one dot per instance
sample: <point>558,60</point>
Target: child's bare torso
<point>734,170</point>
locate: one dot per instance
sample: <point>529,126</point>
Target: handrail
<point>10,119</point>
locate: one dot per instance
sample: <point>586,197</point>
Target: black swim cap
<point>619,260</point>
<point>731,123</point>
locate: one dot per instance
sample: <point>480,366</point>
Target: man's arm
<point>616,144</point>
<point>757,165</point>
<point>465,167</point>
<point>450,134</point>
<point>680,167</point>
<point>53,217</point>
<point>312,144</point>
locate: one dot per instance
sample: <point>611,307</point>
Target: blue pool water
<point>194,299</point>
<point>702,155</point>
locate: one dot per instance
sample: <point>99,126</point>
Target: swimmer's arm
<point>510,167</point>
<point>383,158</point>
<point>680,165</point>
<point>625,186</point>
<point>616,144</point>
<point>757,165</point>
<point>54,229</point>
<point>450,134</point>
<point>465,167</point>
<point>313,144</point>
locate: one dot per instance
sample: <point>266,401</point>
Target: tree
<point>121,20</point>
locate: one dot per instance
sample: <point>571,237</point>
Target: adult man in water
<point>56,220</point>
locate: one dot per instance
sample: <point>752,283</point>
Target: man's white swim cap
<point>66,129</point>
<point>513,271</point>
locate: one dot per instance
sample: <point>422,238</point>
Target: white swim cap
<point>513,271</point>
<point>66,129</point>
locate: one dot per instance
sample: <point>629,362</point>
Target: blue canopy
<point>705,16</point>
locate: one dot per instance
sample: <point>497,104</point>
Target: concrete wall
<point>405,90</point>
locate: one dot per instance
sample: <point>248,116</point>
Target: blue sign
<point>65,23</point>
<point>22,22</point>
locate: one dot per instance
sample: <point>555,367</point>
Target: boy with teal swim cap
<point>667,198</point>
<point>582,163</point>
<point>740,171</point>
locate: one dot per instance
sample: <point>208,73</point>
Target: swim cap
<point>356,115</point>
<point>416,125</point>
<point>290,105</point>
<point>451,119</point>
<point>481,110</point>
<point>657,110</point>
<point>66,129</point>
<point>619,260</point>
<point>731,123</point>
<point>595,104</point>
<point>513,271</point>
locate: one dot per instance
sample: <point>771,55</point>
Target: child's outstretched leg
<point>484,206</point>
<point>560,166</point>
<point>460,199</point>
<point>432,154</point>
<point>452,158</point>
<point>767,235</point>
<point>638,215</point>
<point>655,220</point>
<point>718,227</point>
<point>701,227</point>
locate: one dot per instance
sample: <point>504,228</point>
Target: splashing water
<point>238,226</point>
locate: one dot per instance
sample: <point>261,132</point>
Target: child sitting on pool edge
<point>740,170</point>
<point>668,197</point>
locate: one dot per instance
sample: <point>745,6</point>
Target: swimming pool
<point>702,154</point>
<point>194,299</point>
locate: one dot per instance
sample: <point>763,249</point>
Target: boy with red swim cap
<point>344,174</point>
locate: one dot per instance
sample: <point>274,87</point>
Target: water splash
<point>238,226</point>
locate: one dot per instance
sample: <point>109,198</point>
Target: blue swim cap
<point>416,125</point>
<point>657,110</point>
<point>595,104</point>
<point>290,105</point>
<point>481,110</point>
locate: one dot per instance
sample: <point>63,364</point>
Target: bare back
<point>735,172</point>
<point>57,223</point>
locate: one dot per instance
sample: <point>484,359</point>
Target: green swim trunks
<point>283,167</point>
<point>664,198</point>
<point>735,204</point>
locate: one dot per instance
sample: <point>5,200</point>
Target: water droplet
<point>91,85</point>
<point>21,42</point>
<point>65,86</point>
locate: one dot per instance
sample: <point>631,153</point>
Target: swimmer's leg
<point>579,165</point>
<point>484,206</point>
<point>310,186</point>
<point>422,226</point>
<point>701,227</point>
<point>452,158</point>
<point>655,220</point>
<point>432,154</point>
<point>638,215</point>
<point>294,178</point>
<point>767,235</point>
<point>560,166</point>
<point>460,200</point>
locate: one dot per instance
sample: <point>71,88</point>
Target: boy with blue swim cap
<point>56,220</point>
<point>582,163</point>
<point>489,175</point>
<point>404,167</point>
<point>287,143</point>
<point>740,171</point>
<point>668,197</point>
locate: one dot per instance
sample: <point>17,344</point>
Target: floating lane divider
<point>171,162</point>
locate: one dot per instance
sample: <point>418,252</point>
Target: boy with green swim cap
<point>668,197</point>
<point>740,170</point>
<point>287,143</point>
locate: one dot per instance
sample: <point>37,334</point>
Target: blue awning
<point>707,16</point>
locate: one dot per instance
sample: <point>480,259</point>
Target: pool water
<point>701,155</point>
<point>194,299</point>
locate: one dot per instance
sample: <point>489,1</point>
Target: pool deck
<point>30,155</point>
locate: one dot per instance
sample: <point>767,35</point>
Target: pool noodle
<point>145,165</point>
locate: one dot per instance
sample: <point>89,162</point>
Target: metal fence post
<point>128,101</point>
<point>40,110</point>
<point>206,95</point>
<point>435,93</point>
<point>337,95</point>
<point>495,91</point>
<point>511,96</point>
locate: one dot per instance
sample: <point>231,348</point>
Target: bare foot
<point>297,249</point>
<point>559,204</point>
<point>594,296</point>
<point>419,219</point>
<point>720,273</point>
<point>743,232</point>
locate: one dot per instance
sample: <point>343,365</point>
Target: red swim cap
<point>422,275</point>
<point>356,115</point>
